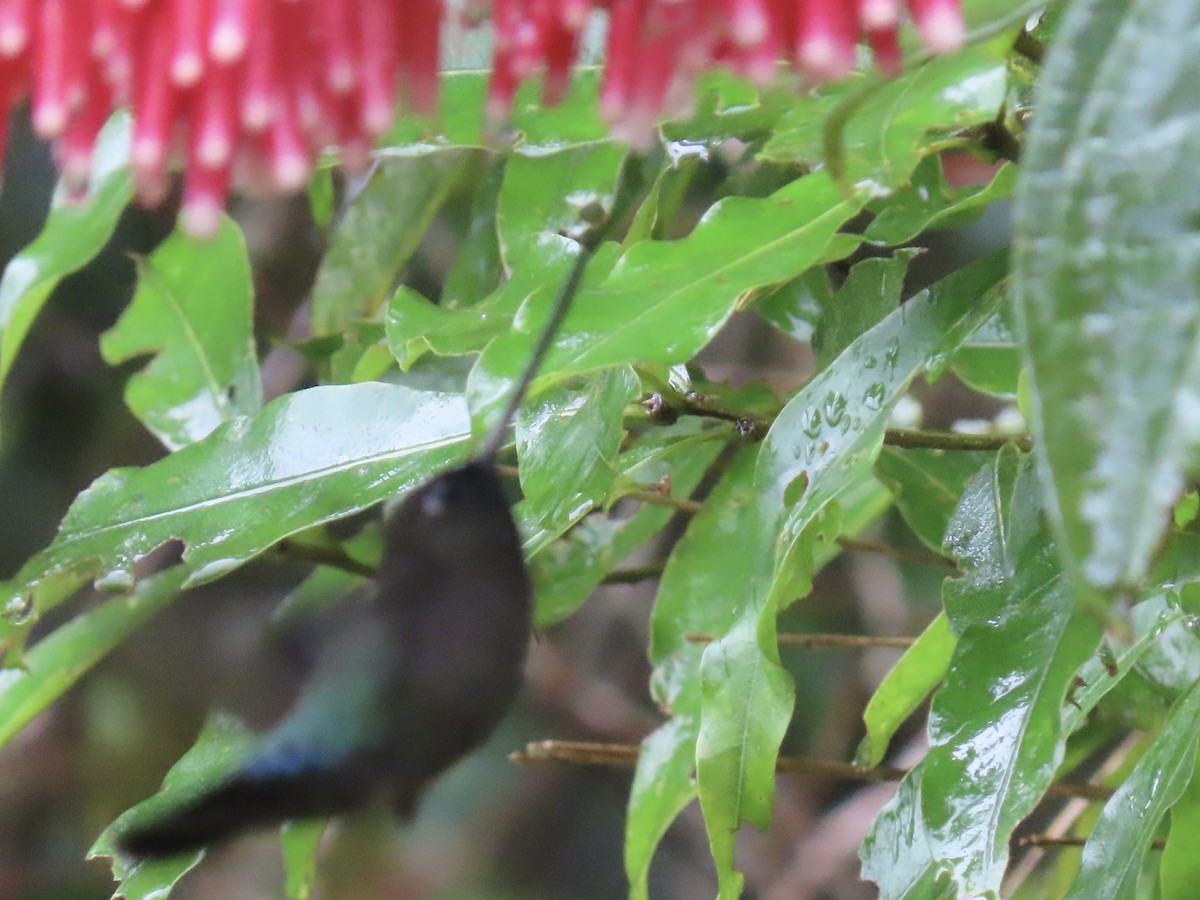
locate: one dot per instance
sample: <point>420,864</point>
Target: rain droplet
<point>812,425</point>
<point>873,397</point>
<point>835,409</point>
<point>18,609</point>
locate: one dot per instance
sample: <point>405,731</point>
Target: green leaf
<point>61,658</point>
<point>414,325</point>
<point>1114,854</point>
<point>990,360</point>
<point>307,458</point>
<point>929,203</point>
<point>299,842</point>
<point>664,300</point>
<point>379,233</point>
<point>700,591</point>
<point>555,193</point>
<point>927,485</point>
<point>221,746</point>
<point>825,439</point>
<point>193,309</point>
<point>893,124</point>
<point>896,854</point>
<point>567,443</point>
<point>1180,866</point>
<point>565,572</point>
<point>995,725</point>
<point>477,269</point>
<point>904,689</point>
<point>820,448</point>
<point>748,698</point>
<point>871,291</point>
<point>1105,278</point>
<point>795,307</point>
<point>74,233</point>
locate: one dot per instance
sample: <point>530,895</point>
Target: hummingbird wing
<point>327,757</point>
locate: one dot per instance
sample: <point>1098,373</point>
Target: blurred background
<point>491,829</point>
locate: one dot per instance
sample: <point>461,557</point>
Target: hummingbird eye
<point>435,498</point>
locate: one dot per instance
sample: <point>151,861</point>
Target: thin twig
<point>654,498</point>
<point>756,427</point>
<point>821,641</point>
<point>904,554</point>
<point>1050,840</point>
<point>634,574</point>
<point>588,753</point>
<point>951,440</point>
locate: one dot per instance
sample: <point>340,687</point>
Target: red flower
<point>257,88</point>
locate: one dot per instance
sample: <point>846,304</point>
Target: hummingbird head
<point>457,518</point>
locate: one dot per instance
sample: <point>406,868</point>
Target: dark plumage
<point>419,676</point>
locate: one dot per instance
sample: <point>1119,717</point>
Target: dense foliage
<point>1069,623</point>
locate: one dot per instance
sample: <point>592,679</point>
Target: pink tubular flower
<point>252,90</point>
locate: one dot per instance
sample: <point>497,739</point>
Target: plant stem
<point>822,641</point>
<point>588,753</point>
<point>333,557</point>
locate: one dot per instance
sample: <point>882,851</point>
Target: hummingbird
<point>418,676</point>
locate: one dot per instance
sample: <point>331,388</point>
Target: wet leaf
<point>904,689</point>
<point>378,234</point>
<point>927,485</point>
<point>74,233</point>
<point>894,124</point>
<point>995,725</point>
<point>1113,857</point>
<point>193,311</point>
<point>664,300</point>
<point>930,203</point>
<point>870,292</point>
<point>567,571</point>
<point>700,591</point>
<point>307,458</point>
<point>567,442</point>
<point>1105,277</point>
<point>819,449</point>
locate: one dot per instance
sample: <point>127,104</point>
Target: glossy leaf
<point>477,269</point>
<point>927,485</point>
<point>870,292</point>
<point>555,193</point>
<point>701,589</point>
<point>664,300</point>
<point>995,726</point>
<point>904,689</point>
<point>193,311</point>
<point>1114,854</point>
<point>307,458</point>
<point>990,361</point>
<point>378,234</point>
<point>567,442</point>
<point>896,852</point>
<point>73,234</point>
<point>833,428</point>
<point>1180,866</point>
<point>222,744</point>
<point>566,572</point>
<point>57,661</point>
<point>930,203</point>
<point>416,326</point>
<point>820,447</point>
<point>1104,279</point>
<point>894,124</point>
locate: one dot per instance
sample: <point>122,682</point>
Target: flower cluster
<point>254,89</point>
